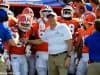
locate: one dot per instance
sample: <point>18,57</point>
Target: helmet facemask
<point>24,27</point>
<point>67,11</point>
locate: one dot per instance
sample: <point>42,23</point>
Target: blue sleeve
<point>8,33</point>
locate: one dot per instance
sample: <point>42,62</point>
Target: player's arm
<point>35,42</point>
<point>12,42</point>
<point>9,37</point>
<point>78,47</point>
<point>69,43</point>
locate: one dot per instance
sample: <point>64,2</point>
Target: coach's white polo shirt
<point>56,38</point>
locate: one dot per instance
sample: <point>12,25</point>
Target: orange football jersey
<point>72,24</point>
<point>85,33</point>
<point>20,49</point>
<point>41,29</point>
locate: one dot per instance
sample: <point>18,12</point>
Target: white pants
<point>19,64</point>
<point>42,63</point>
<point>83,64</point>
<point>31,64</point>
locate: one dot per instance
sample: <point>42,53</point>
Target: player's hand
<point>5,55</point>
<point>16,37</point>
<point>24,40</point>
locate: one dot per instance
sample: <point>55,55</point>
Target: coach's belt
<point>58,53</point>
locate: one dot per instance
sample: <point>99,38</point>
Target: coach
<point>59,39</point>
<point>5,35</point>
<point>93,43</point>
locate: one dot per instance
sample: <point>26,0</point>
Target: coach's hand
<point>67,62</point>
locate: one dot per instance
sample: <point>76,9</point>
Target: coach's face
<point>51,19</point>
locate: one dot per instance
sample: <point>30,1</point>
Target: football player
<point>17,53</point>
<point>73,24</point>
<point>42,49</point>
<point>30,51</point>
<point>82,51</point>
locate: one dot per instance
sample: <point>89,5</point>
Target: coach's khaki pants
<point>94,69</point>
<point>57,65</point>
<point>3,68</point>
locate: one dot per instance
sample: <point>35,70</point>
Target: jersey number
<point>72,27</point>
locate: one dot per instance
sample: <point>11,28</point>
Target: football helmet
<point>88,18</point>
<point>24,22</point>
<point>45,10</point>
<point>66,12</point>
<point>29,11</point>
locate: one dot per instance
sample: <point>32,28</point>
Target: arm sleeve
<point>8,33</point>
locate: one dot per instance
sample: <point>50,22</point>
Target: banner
<point>36,2</point>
